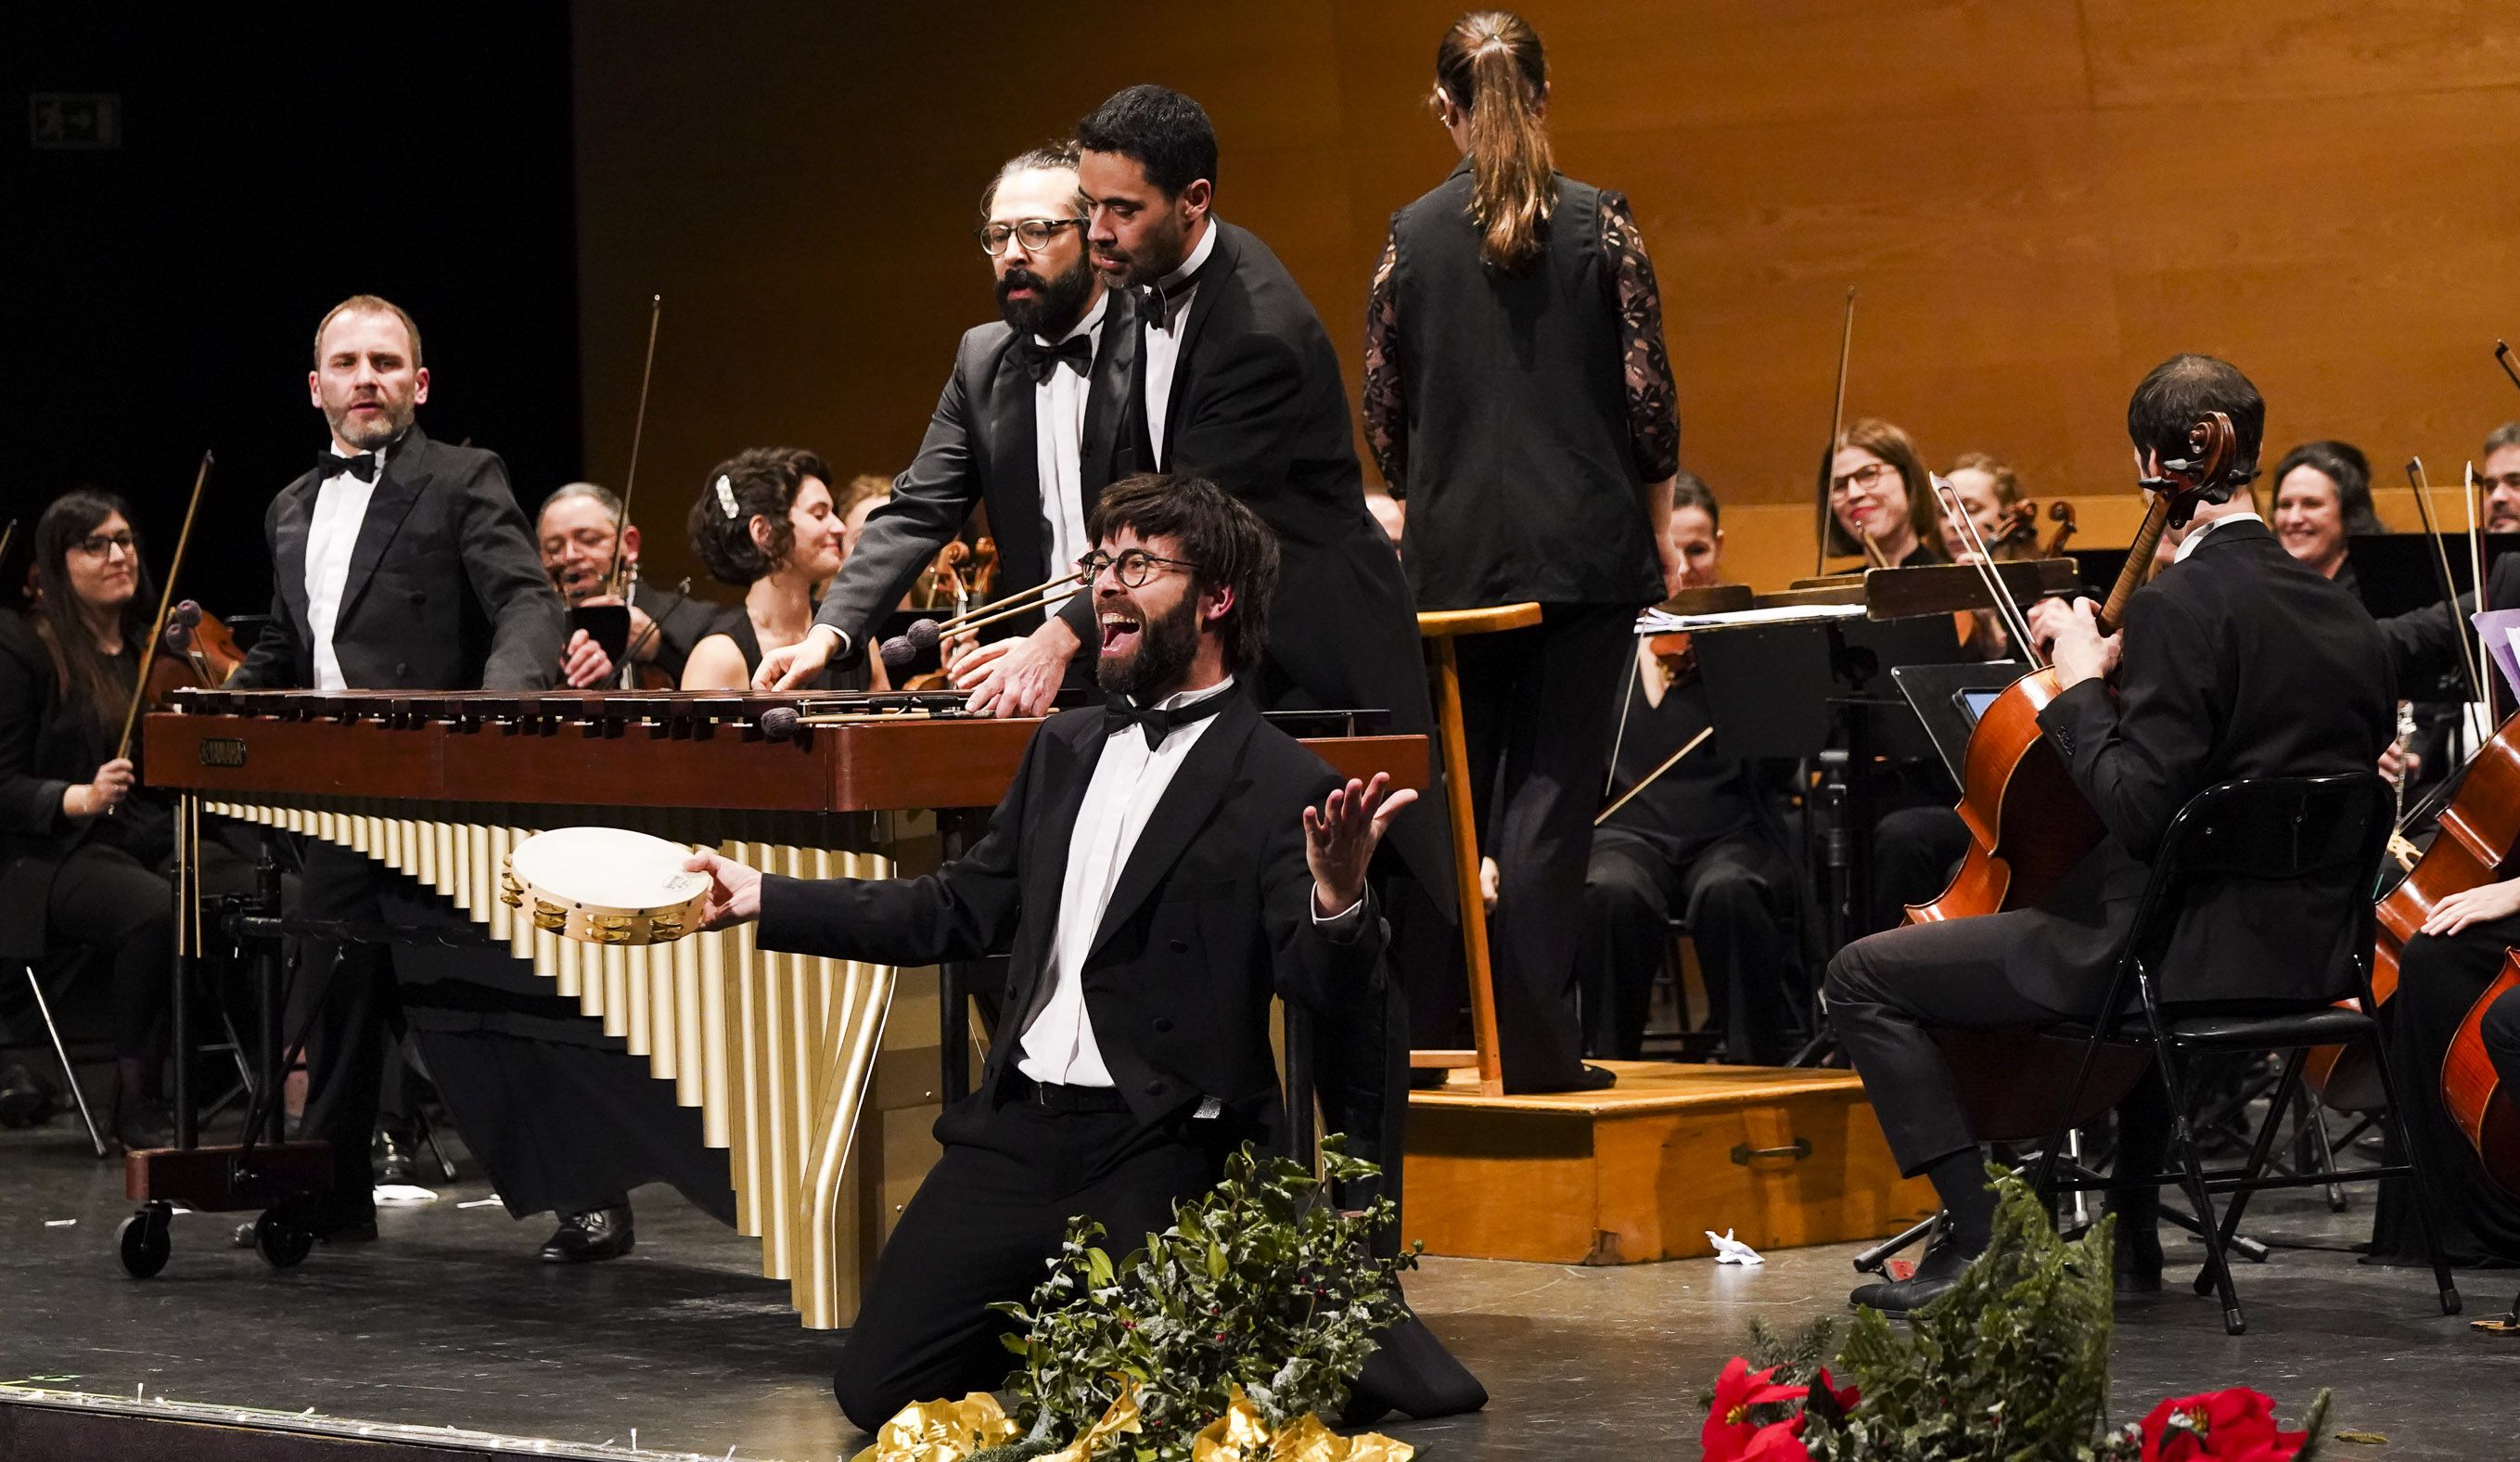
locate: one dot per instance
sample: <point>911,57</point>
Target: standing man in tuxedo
<point>1160,869</point>
<point>2239,664</point>
<point>1028,426</point>
<point>401,563</point>
<point>578,531</point>
<point>1237,382</point>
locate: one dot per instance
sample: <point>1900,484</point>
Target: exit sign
<point>75,122</point>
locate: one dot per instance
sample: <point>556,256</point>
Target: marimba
<point>800,1070</point>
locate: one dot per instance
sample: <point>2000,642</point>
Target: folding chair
<point>2331,833</point>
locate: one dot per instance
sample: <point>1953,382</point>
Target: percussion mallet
<point>902,651</point>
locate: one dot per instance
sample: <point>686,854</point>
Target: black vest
<point>1522,484</point>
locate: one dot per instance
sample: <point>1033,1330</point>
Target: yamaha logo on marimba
<point>222,750</point>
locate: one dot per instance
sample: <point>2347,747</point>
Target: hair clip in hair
<point>726,497</point>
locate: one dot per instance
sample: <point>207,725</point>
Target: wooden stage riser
<point>1644,1170</point>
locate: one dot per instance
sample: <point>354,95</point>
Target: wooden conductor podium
<point>1643,1170</point>
<point>1440,627</point>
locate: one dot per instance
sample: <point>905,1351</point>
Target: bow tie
<point>1041,361</point>
<point>363,467</point>
<point>1157,721</point>
<point>1160,305</point>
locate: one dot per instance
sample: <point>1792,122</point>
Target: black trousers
<point>996,1208</point>
<point>107,901</point>
<point>1887,993</point>
<point>1915,852</point>
<point>563,1117</point>
<point>1733,894</point>
<point>2438,981</point>
<point>1540,708</point>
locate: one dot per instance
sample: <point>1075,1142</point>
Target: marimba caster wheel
<point>281,1244</point>
<point>143,1241</point>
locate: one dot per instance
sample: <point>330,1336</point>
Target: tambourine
<point>605,886</point>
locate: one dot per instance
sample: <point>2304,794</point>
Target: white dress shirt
<point>1059,431</point>
<point>332,535</point>
<point>2197,534</point>
<point>1163,347</point>
<point>1128,782</point>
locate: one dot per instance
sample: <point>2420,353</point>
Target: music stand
<point>1944,699</point>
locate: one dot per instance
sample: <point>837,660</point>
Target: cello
<point>2028,824</point>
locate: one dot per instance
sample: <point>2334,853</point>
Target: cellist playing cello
<point>2241,665</point>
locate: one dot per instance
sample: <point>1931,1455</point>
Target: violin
<point>1674,652</point>
<point>200,652</point>
<point>2028,824</point>
<point>2061,514</point>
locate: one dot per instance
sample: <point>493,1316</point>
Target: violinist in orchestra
<point>2322,496</point>
<point>580,532</point>
<point>1983,487</point>
<point>764,523</point>
<point>2424,644</point>
<point>2238,662</point>
<point>1880,505</point>
<point>1699,842</point>
<point>85,851</point>
<point>1518,399</point>
<point>1028,425</point>
<point>2498,479</point>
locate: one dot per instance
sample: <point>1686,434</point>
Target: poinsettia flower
<point>2233,1425</point>
<point>1777,1441</point>
<point>1728,1430</point>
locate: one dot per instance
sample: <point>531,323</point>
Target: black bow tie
<point>327,467</point>
<point>1042,360</point>
<point>1158,721</point>
<point>1160,305</point>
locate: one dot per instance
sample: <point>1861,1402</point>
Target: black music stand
<point>1948,700</point>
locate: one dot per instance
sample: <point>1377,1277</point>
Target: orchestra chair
<point>1439,629</point>
<point>66,968</point>
<point>2328,832</point>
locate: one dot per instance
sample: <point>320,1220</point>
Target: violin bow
<point>1999,599</point>
<point>1648,779</point>
<point>638,432</point>
<point>2503,358</point>
<point>8,533</point>
<point>2476,577</point>
<point>1828,453</point>
<point>165,602</point>
<point>2440,564</point>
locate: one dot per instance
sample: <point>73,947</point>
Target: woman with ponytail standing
<point>1517,397</point>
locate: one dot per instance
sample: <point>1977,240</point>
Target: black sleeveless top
<point>852,676</point>
<point>1523,481</point>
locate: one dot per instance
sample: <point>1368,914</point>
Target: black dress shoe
<point>596,1234</point>
<point>394,1167</point>
<point>1586,1078</point>
<point>140,1125</point>
<point>24,1099</point>
<point>1934,1278</point>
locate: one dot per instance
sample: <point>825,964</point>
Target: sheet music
<point>1656,622</point>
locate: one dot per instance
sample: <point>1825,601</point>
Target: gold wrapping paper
<point>1243,1435</point>
<point>941,1431</point>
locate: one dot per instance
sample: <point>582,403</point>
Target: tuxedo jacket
<point>2424,644</point>
<point>445,591</point>
<point>982,448</point>
<point>2238,663</point>
<point>1211,916</point>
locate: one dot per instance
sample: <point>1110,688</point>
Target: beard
<point>1058,301</point>
<point>379,430</point>
<point>1165,648</point>
<point>1161,254</point>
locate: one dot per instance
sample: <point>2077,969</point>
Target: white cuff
<point>839,639</point>
<point>1341,921</point>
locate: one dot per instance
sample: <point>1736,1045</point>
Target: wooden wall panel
<point>2037,198</point>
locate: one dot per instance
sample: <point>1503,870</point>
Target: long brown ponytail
<point>1490,65</point>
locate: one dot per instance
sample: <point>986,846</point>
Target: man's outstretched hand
<point>1340,836</point>
<point>735,890</point>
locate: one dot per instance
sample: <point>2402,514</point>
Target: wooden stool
<point>1440,627</point>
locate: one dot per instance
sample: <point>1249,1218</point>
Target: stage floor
<point>450,1321</point>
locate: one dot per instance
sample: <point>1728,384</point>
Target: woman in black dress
<point>765,524</point>
<point>85,851</point>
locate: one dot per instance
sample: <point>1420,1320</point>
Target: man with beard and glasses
<point>1027,426</point>
<point>400,563</point>
<point>1161,869</point>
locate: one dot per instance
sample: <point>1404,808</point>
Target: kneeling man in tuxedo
<point>1160,868</point>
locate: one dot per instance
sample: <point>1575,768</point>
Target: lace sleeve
<point>1653,403</point>
<point>1386,411</point>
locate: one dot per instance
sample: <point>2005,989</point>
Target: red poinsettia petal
<point>1778,1442</point>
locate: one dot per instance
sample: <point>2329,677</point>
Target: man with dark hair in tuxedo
<point>1028,425</point>
<point>2147,717</point>
<point>1236,381</point>
<point>400,563</point>
<point>1161,869</point>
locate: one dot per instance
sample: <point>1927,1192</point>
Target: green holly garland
<point>1260,1283</point>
